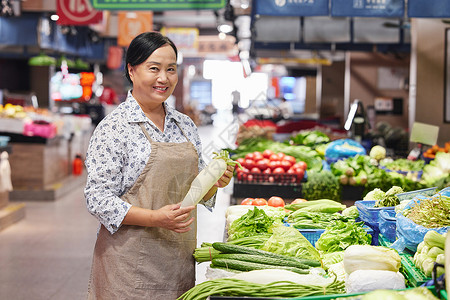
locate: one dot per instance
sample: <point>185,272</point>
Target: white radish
<point>206,179</point>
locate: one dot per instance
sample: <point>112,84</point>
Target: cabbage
<point>377,152</point>
<point>366,257</point>
<point>351,212</point>
<point>376,194</point>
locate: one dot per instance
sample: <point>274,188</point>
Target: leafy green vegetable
<point>375,195</point>
<point>254,222</point>
<point>340,235</point>
<point>289,241</point>
<point>301,219</point>
<point>390,197</point>
<point>311,138</point>
<point>321,185</point>
<point>351,212</point>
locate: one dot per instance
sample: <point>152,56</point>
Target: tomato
<point>278,170</point>
<point>285,165</point>
<point>241,161</point>
<point>302,165</point>
<point>299,200</point>
<point>247,201</point>
<point>290,159</point>
<point>250,177</point>
<point>262,164</point>
<point>274,157</point>
<point>249,163</point>
<point>267,153</point>
<point>255,170</point>
<point>274,164</point>
<point>257,156</point>
<point>259,202</point>
<point>281,155</point>
<point>300,174</point>
<point>276,201</point>
<point>267,171</point>
<point>249,156</point>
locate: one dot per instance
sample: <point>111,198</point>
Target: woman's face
<point>155,79</point>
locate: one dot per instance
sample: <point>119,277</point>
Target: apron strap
<point>141,124</point>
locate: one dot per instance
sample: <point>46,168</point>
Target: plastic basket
<point>387,224</point>
<point>414,276</point>
<point>368,213</point>
<point>410,195</point>
<point>312,235</point>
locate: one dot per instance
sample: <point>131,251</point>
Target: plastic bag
<point>368,280</point>
<point>343,148</point>
<point>410,234</point>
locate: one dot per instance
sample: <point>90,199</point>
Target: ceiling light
<point>54,18</point>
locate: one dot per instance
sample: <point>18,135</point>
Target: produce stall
<point>323,249</point>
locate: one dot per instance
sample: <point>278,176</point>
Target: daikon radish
<point>206,179</point>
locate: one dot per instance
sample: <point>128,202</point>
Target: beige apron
<point>149,262</point>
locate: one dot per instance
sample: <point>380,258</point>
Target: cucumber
<point>263,260</point>
<point>250,266</point>
<point>230,248</point>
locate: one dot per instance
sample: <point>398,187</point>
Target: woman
<point>141,160</point>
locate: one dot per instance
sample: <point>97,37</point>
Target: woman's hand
<point>226,177</point>
<point>171,217</point>
<point>174,217</point>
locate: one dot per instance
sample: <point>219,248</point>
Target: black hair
<point>142,46</point>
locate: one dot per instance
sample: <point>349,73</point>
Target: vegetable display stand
<point>414,276</point>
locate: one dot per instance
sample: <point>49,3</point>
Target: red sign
<point>77,12</point>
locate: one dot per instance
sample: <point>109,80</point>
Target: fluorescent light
<point>54,18</point>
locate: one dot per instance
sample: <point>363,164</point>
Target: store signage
<point>157,5</point>
<point>367,8</point>
<point>77,12</point>
<point>186,39</point>
<point>428,8</point>
<point>132,24</point>
<point>291,7</point>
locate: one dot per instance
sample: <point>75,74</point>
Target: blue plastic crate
<point>387,224</point>
<point>370,214</point>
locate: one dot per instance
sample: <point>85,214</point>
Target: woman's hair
<point>142,46</point>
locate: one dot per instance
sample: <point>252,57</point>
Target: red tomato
<point>241,161</point>
<point>274,157</point>
<point>259,201</point>
<point>302,164</point>
<point>267,171</point>
<point>285,165</point>
<point>249,156</point>
<point>274,164</point>
<point>255,170</point>
<point>300,174</point>
<point>290,159</point>
<point>257,156</point>
<point>267,153</point>
<point>262,164</point>
<point>278,170</point>
<point>249,164</point>
<point>250,177</point>
<point>281,155</point>
<point>271,179</point>
<point>276,201</point>
<point>299,200</point>
<point>247,201</point>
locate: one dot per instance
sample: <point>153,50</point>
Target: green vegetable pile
<point>254,222</point>
<point>432,212</point>
<point>313,220</point>
<point>384,199</point>
<point>429,251</point>
<point>353,170</point>
<point>311,138</point>
<point>236,287</point>
<point>340,235</point>
<point>321,185</point>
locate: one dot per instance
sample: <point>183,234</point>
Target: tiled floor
<point>47,255</point>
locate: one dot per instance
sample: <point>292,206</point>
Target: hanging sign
<point>428,8</point>
<point>77,12</point>
<point>186,39</point>
<point>132,24</point>
<point>291,8</point>
<point>157,5</point>
<point>367,8</point>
